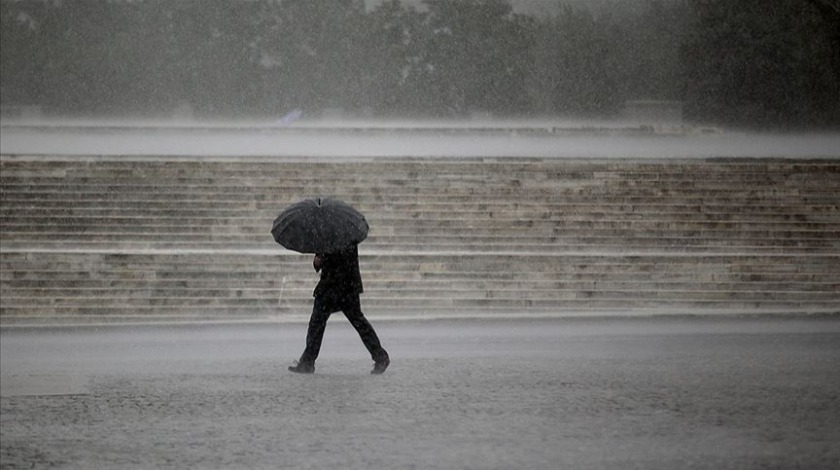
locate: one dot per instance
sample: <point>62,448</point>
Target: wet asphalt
<point>643,393</point>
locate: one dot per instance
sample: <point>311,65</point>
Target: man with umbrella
<point>332,230</point>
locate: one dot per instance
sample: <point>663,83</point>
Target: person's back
<point>340,274</point>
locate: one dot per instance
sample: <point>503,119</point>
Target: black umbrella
<point>319,225</point>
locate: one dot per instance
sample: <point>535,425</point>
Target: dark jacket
<point>340,274</point>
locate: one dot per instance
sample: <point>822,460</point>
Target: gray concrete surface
<point>575,140</point>
<point>649,393</point>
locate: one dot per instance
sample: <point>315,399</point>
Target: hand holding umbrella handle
<point>317,262</point>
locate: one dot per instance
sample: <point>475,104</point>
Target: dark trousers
<point>321,311</point>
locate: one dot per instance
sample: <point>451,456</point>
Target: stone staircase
<point>107,238</point>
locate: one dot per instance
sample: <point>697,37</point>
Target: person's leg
<point>353,311</point>
<point>314,336</point>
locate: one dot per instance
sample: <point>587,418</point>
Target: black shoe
<point>380,366</point>
<point>302,368</point>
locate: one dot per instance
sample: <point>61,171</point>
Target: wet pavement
<point>646,393</point>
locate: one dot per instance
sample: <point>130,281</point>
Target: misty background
<point>748,63</point>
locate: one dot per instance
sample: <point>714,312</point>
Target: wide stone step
<point>583,246</point>
<point>807,281</point>
<point>557,188</point>
<point>537,298</point>
<point>412,266</point>
<point>428,171</point>
<point>650,245</point>
<point>491,209</point>
<point>13,217</point>
<point>30,219</point>
<point>285,195</point>
<point>479,202</point>
<point>124,296</point>
<point>411,308</point>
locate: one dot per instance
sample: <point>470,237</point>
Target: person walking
<point>338,290</point>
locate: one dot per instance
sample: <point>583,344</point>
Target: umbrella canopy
<point>319,225</point>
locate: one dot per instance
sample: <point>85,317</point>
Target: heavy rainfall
<point>592,234</point>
